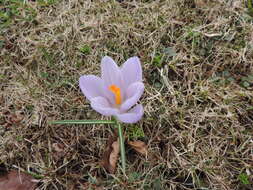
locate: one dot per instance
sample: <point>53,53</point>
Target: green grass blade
<point>250,7</point>
<point>83,122</point>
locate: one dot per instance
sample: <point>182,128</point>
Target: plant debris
<point>139,147</point>
<point>111,154</point>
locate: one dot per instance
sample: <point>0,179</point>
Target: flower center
<point>116,91</point>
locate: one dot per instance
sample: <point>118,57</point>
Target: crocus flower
<point>118,90</point>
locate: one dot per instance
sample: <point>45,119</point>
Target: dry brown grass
<point>198,102</point>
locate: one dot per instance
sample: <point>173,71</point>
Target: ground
<point>197,59</point>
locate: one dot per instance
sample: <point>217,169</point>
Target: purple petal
<point>131,71</point>
<point>102,106</point>
<point>91,86</point>
<point>133,94</point>
<point>111,73</point>
<point>132,116</point>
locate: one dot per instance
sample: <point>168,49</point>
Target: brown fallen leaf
<point>200,3</point>
<point>111,154</point>
<point>16,118</point>
<point>58,151</point>
<point>15,180</point>
<point>11,118</point>
<point>139,147</point>
<point>88,185</point>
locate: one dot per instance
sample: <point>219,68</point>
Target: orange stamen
<point>116,91</point>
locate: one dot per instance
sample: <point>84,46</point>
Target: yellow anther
<point>116,91</point>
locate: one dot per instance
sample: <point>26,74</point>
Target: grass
<point>197,66</point>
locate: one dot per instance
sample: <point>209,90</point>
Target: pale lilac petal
<point>91,86</point>
<point>111,74</point>
<point>133,94</point>
<point>102,106</point>
<point>131,71</point>
<point>132,116</point>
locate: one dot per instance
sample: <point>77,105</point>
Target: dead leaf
<point>11,118</point>
<point>15,180</point>
<point>111,154</point>
<point>58,147</point>
<point>200,3</point>
<point>139,147</point>
<point>88,186</point>
<point>58,151</point>
<point>15,118</point>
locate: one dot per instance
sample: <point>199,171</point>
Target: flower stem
<point>82,122</point>
<point>122,146</point>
